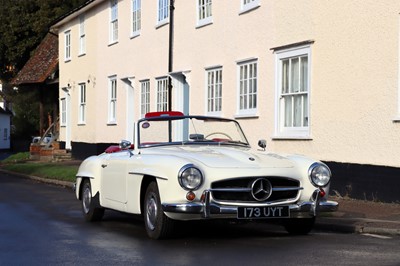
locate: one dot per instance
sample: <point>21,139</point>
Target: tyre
<point>90,205</point>
<point>299,226</point>
<point>158,225</point>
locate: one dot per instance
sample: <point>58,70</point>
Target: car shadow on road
<point>133,225</point>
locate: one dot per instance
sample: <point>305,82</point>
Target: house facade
<point>319,78</point>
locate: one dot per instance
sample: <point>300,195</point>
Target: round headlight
<point>319,174</point>
<point>190,178</point>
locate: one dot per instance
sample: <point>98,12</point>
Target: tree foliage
<point>23,24</point>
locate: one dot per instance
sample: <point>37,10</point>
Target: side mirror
<point>262,143</point>
<point>124,144</point>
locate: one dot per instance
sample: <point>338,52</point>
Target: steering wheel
<point>219,133</point>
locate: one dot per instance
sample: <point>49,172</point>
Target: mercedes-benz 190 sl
<point>186,167</point>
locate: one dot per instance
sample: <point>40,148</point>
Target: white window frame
<point>63,107</point>
<point>214,87</point>
<point>247,88</point>
<point>162,12</point>
<point>136,18</point>
<point>82,35</point>
<point>67,45</point>
<point>82,104</point>
<point>247,5</point>
<point>144,97</point>
<point>113,21</point>
<point>112,99</point>
<point>204,12</point>
<point>162,94</point>
<point>282,129</point>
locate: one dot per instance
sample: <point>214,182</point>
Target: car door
<point>114,178</point>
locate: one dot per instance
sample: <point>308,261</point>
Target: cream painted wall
<point>124,59</point>
<point>354,69</point>
<point>354,75</point>
<point>354,82</point>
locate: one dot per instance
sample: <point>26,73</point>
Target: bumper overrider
<point>207,208</point>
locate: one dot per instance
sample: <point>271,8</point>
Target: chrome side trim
<point>140,173</point>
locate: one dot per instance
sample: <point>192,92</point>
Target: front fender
<point>89,168</point>
<point>303,164</point>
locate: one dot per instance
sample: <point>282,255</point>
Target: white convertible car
<point>197,167</point>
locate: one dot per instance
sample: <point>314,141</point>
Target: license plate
<point>263,212</point>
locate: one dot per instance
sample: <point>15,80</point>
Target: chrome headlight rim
<point>314,174</point>
<point>184,174</point>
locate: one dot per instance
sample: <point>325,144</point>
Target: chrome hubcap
<point>151,212</point>
<point>86,198</point>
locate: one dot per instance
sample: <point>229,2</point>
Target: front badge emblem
<point>261,189</point>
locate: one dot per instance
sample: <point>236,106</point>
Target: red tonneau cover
<point>161,114</point>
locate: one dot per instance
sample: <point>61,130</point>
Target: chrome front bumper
<point>209,209</point>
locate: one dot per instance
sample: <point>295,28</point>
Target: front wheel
<point>299,226</point>
<point>90,206</point>
<point>157,224</point>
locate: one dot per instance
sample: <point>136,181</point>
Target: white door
<point>180,92</point>
<point>130,103</point>
<point>180,101</point>
<point>66,117</point>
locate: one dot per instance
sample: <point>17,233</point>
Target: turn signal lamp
<point>322,193</point>
<point>190,196</point>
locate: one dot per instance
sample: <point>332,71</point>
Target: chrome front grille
<point>240,189</point>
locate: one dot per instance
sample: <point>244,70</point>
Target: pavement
<point>353,215</point>
<point>361,216</point>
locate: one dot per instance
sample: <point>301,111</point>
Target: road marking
<point>377,236</point>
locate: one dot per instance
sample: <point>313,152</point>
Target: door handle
<point>103,165</point>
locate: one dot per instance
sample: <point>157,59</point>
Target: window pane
<point>304,73</point>
<point>162,94</point>
<point>285,76</point>
<point>136,15</point>
<point>162,10</point>
<point>305,110</point>
<point>294,87</point>
<point>297,111</point>
<point>288,111</point>
<point>214,90</point>
<point>248,86</point>
<point>292,93</point>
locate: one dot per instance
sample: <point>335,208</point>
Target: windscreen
<point>190,130</point>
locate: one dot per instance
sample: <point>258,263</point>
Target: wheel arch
<point>147,179</point>
<point>80,181</point>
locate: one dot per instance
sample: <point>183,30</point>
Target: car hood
<point>221,157</point>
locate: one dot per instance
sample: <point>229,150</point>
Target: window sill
<point>111,123</point>
<point>112,43</point>
<point>249,8</point>
<point>292,138</point>
<point>217,114</point>
<point>161,23</point>
<point>396,119</point>
<point>82,124</point>
<point>203,23</point>
<point>246,116</point>
<point>135,34</point>
<point>82,54</point>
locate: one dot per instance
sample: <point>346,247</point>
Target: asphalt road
<point>41,224</point>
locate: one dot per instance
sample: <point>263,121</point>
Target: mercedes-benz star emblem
<point>261,189</point>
